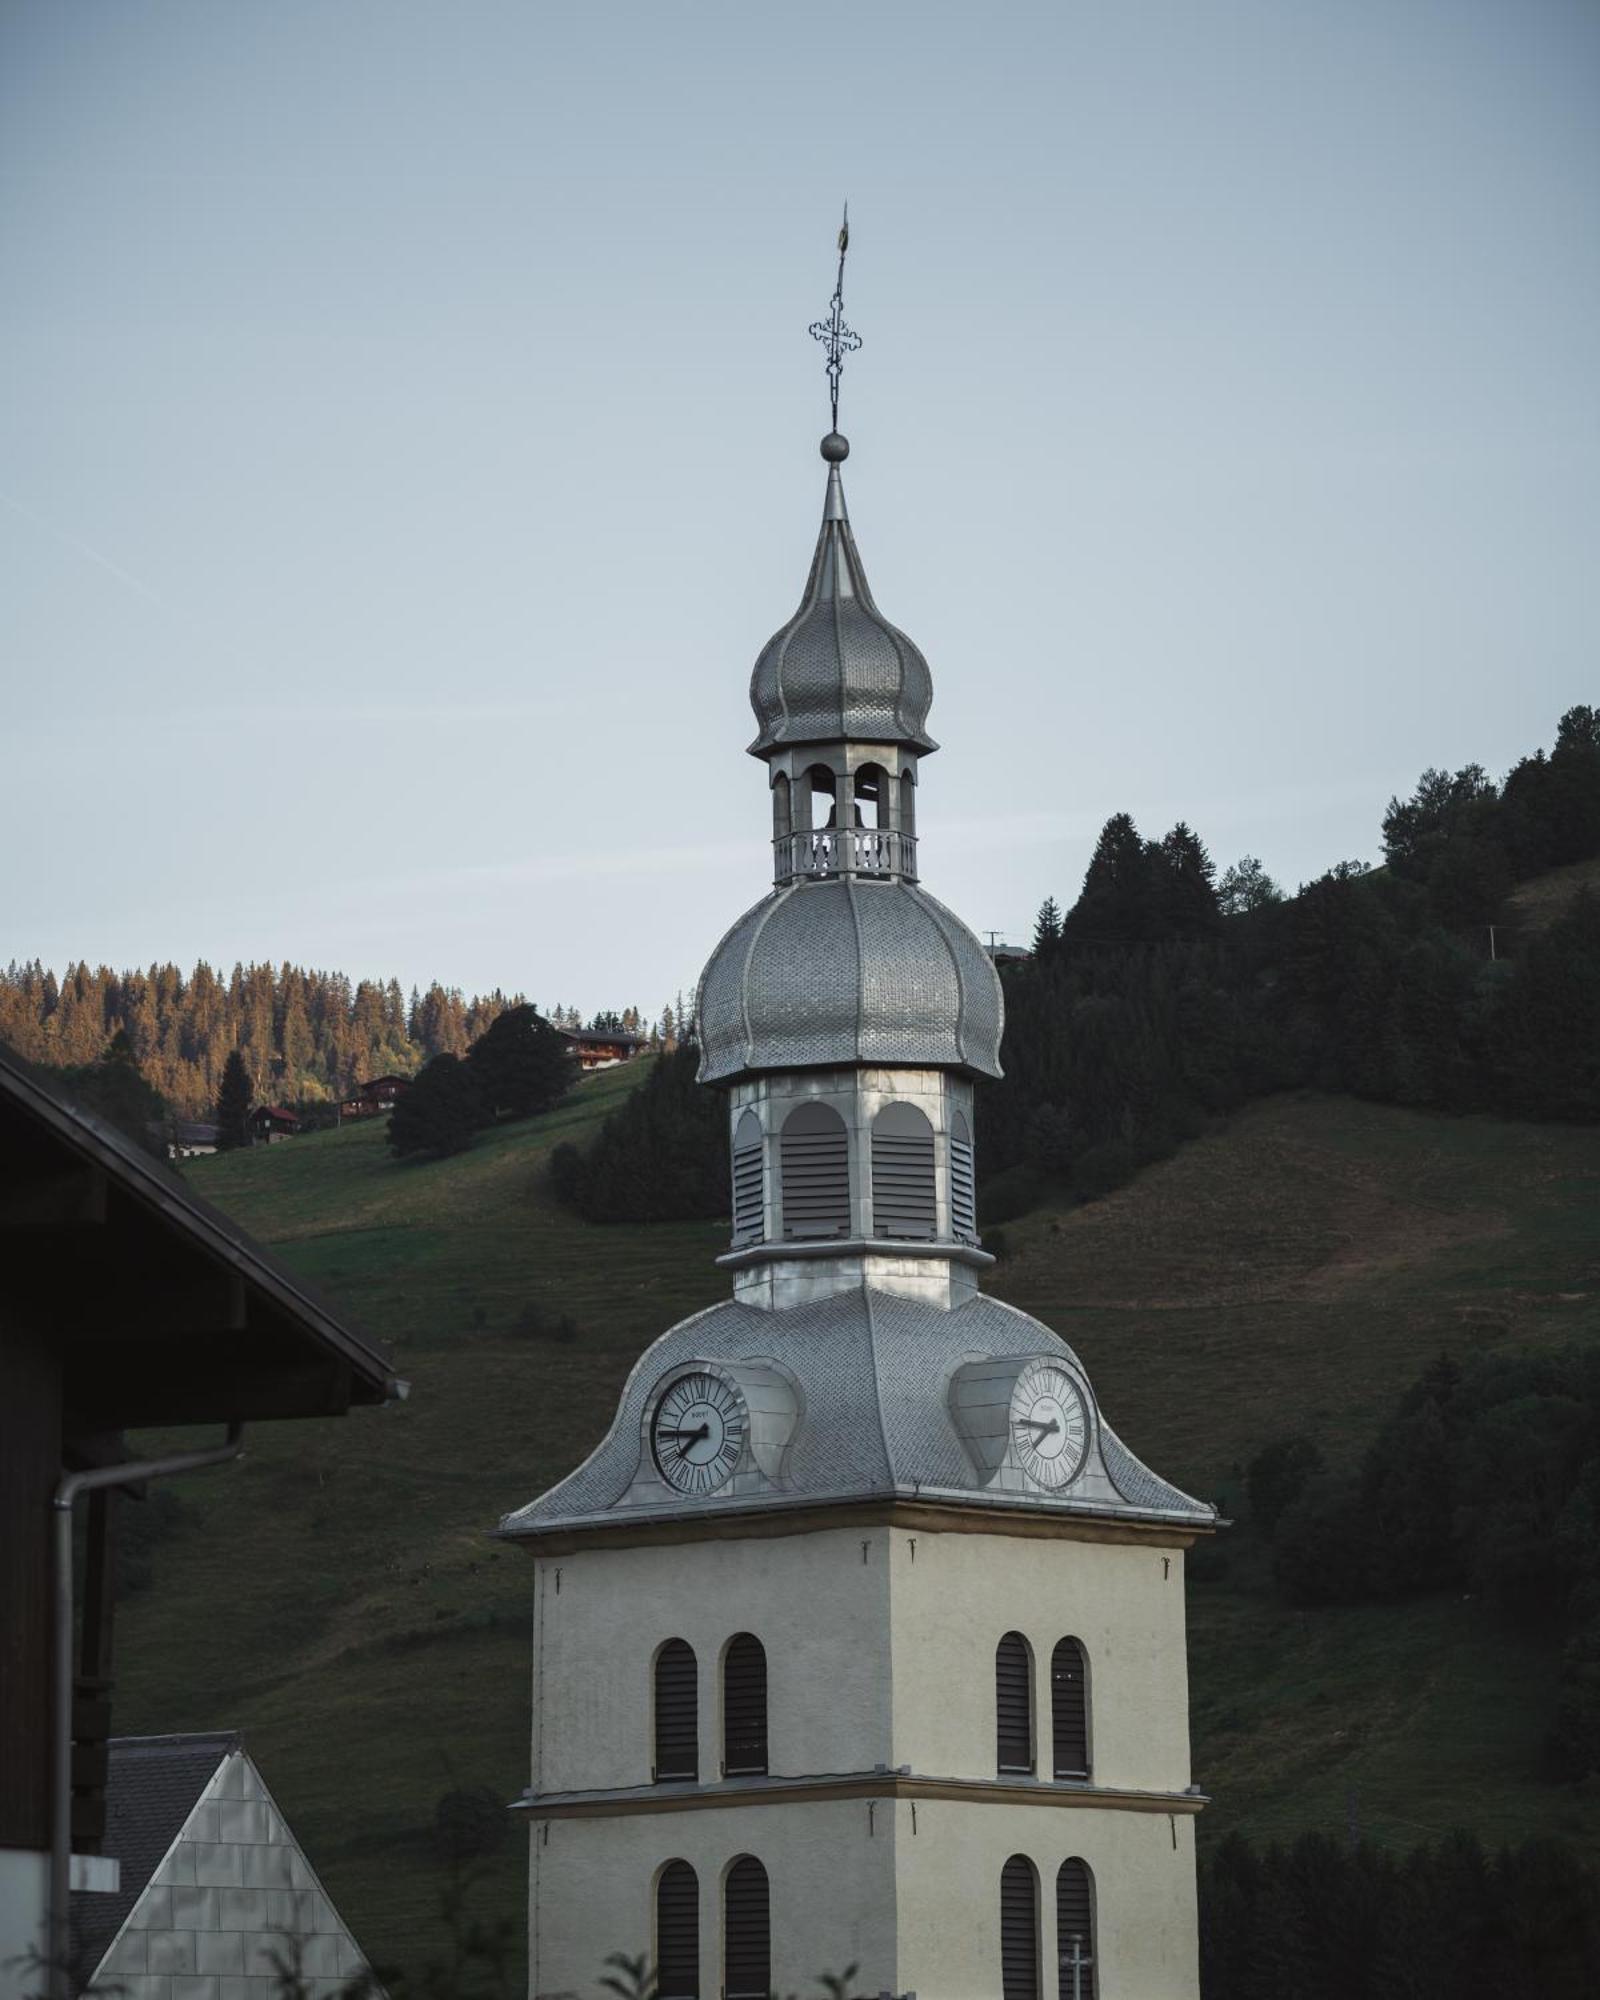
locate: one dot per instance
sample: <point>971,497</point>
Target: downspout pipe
<point>72,1484</point>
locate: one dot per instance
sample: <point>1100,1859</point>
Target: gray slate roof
<point>839,670</point>
<point>844,971</point>
<point>153,1785</point>
<point>873,1370</point>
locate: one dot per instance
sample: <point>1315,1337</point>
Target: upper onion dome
<point>847,971</point>
<point>839,671</point>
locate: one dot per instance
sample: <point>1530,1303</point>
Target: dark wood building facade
<point>126,1302</point>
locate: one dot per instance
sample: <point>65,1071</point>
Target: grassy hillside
<point>335,1595</point>
<point>1539,902</point>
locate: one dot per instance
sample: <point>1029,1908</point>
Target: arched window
<point>908,804</point>
<point>1075,1930</point>
<point>748,1219</point>
<point>1069,1711</point>
<point>744,1708</point>
<point>903,1197</point>
<point>780,806</point>
<point>746,1931</point>
<point>871,787</point>
<point>816,1173</point>
<point>677,1713</point>
<point>1019,1930</point>
<point>678,1933</point>
<point>963,1183</point>
<point>1013,1671</point>
<point>823,787</point>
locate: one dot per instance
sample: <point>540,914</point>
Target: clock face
<point>1049,1425</point>
<point>698,1432</point>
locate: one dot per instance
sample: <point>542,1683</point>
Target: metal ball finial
<point>834,448</point>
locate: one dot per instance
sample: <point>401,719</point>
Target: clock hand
<point>692,1437</point>
<point>1033,1424</point>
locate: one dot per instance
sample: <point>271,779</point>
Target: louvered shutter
<point>747,1931</point>
<point>1013,1721</point>
<point>748,1219</point>
<point>1069,1711</point>
<point>903,1199</point>
<point>1075,1919</point>
<point>963,1183</point>
<point>744,1707</point>
<point>677,1713</point>
<point>816,1174</point>
<point>1019,1930</point>
<point>678,1933</point>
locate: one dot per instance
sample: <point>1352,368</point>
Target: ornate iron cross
<point>837,338</point>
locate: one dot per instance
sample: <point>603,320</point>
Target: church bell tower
<point>859,1640</point>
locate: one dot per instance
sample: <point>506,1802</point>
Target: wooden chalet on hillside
<point>373,1099</point>
<point>601,1048</point>
<point>125,1302</point>
<point>271,1122</point>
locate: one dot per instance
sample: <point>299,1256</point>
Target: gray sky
<point>408,439</point>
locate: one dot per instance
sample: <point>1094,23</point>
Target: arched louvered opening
<point>748,1216</point>
<point>678,1933</point>
<point>1013,1673</point>
<point>744,1707</point>
<point>1019,1930</point>
<point>780,807</point>
<point>816,1173</point>
<point>904,1202</point>
<point>746,1931</point>
<point>963,1182</point>
<point>908,804</point>
<point>1069,1711</point>
<point>1075,1930</point>
<point>677,1713</point>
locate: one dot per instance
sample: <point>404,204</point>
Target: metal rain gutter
<point>72,1484</point>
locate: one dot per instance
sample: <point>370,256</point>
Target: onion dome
<point>839,671</point>
<point>844,972</point>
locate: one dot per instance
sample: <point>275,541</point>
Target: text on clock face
<point>1049,1426</point>
<point>698,1432</point>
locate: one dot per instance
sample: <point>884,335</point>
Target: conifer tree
<point>233,1104</point>
<point>1114,906</point>
<point>1047,928</point>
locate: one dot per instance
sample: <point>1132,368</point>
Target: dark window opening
<point>1075,1931</point>
<point>747,1931</point>
<point>1019,1930</point>
<point>744,1708</point>
<point>816,1173</point>
<point>1013,1706</point>
<point>1069,1711</point>
<point>678,1933</point>
<point>871,787</point>
<point>824,801</point>
<point>677,1713</point>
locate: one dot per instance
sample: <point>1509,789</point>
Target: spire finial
<point>838,340</point>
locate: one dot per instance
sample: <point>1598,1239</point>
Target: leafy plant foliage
<point>1485,1479</point>
<point>1445,1922</point>
<point>662,1157</point>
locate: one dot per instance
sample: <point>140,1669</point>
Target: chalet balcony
<point>841,851</point>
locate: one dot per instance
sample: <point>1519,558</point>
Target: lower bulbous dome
<point>847,971</point>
